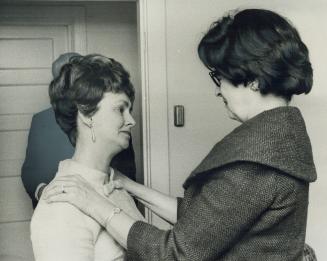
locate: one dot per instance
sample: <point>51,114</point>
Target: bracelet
<point>115,211</point>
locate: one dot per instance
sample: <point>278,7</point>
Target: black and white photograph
<point>163,130</point>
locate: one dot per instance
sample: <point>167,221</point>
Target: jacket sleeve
<point>47,145</point>
<point>179,209</point>
<point>225,207</point>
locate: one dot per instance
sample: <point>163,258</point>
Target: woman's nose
<point>130,120</point>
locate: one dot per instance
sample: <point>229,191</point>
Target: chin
<point>124,145</point>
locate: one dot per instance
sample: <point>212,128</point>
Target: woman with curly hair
<point>92,98</point>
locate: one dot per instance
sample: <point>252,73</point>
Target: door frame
<point>153,63</point>
<point>73,17</point>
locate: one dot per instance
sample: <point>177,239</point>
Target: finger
<point>58,188</point>
<point>73,176</point>
<point>69,192</point>
<point>52,192</point>
<point>63,197</point>
<point>55,185</point>
<point>77,180</point>
<point>70,178</point>
<point>48,188</point>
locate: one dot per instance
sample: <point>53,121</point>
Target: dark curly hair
<point>81,85</point>
<point>260,45</point>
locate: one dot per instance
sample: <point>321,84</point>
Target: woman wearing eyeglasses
<point>247,200</point>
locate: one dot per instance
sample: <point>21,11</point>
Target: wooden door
<point>30,40</point>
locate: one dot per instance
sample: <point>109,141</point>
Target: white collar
<point>93,176</point>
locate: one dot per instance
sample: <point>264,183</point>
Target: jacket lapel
<point>276,138</point>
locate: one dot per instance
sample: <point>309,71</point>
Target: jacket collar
<point>276,138</point>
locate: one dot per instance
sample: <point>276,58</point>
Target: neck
<point>93,155</point>
<point>269,102</point>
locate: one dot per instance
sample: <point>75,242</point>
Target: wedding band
<point>63,188</point>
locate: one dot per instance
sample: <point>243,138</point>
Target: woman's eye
<point>120,109</point>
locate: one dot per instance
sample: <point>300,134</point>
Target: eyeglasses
<point>215,78</point>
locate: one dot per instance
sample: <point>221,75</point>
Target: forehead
<point>110,98</point>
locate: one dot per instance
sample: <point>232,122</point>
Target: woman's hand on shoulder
<point>75,190</point>
<point>120,181</point>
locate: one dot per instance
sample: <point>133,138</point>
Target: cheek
<point>235,98</point>
<point>106,124</point>
<point>118,122</point>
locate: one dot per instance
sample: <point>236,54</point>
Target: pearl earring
<point>254,87</point>
<point>90,125</point>
<point>92,130</point>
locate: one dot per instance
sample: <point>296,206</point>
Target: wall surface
<point>205,118</point>
<point>112,31</point>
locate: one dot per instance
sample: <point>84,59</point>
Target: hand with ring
<point>75,190</point>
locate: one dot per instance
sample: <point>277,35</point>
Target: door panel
<point>25,53</point>
<point>13,145</point>
<point>15,122</point>
<point>15,241</point>
<point>27,50</point>
<point>10,168</point>
<point>24,99</point>
<point>27,76</point>
<point>14,200</point>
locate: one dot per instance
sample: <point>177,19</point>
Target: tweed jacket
<point>247,200</point>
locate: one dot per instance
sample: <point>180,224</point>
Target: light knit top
<point>59,231</point>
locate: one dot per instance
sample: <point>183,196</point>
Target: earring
<point>92,130</point>
<point>254,87</point>
<point>90,125</point>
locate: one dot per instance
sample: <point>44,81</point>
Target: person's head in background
<point>257,60</point>
<point>61,61</point>
<point>92,98</point>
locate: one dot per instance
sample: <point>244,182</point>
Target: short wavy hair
<point>80,86</point>
<point>256,44</point>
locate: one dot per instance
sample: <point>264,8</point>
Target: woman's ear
<point>84,119</point>
<point>254,86</point>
